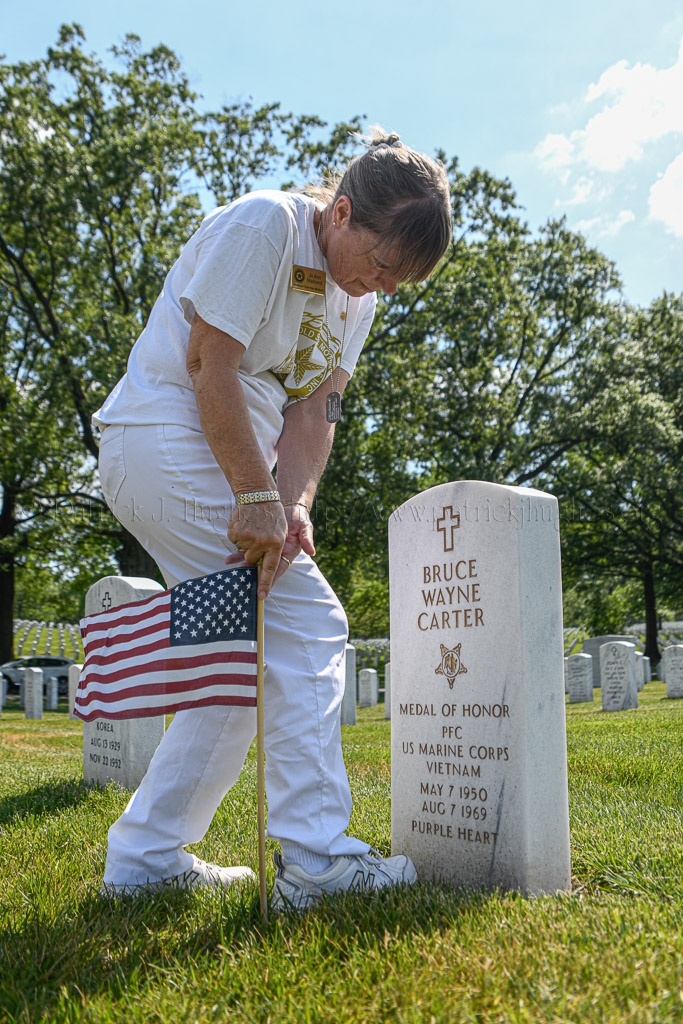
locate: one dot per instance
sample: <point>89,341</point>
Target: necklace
<point>333,400</point>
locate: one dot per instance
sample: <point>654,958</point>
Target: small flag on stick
<point>188,647</point>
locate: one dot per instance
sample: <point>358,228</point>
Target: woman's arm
<point>302,453</point>
<point>260,530</point>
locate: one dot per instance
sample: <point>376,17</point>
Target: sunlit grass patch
<point>610,951</point>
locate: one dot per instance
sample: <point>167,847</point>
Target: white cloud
<point>641,105</point>
<point>584,190</point>
<point>605,225</point>
<point>666,198</point>
<point>556,151</point>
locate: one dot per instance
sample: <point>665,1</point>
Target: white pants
<point>164,485</point>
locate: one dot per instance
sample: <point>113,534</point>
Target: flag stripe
<point>162,686</point>
<point>128,614</point>
<point>190,671</point>
<point>233,700</point>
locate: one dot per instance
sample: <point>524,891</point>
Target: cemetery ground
<point>611,951</point>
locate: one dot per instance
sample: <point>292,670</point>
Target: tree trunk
<point>651,648</point>
<point>7,528</point>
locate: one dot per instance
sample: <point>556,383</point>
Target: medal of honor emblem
<point>451,664</point>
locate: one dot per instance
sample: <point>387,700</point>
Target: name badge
<point>307,279</point>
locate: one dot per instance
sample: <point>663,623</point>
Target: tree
<point>473,375</point>
<point>620,482</point>
<point>100,170</point>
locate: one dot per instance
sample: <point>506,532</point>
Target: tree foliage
<point>517,362</point>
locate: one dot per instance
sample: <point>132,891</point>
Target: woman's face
<point>354,262</point>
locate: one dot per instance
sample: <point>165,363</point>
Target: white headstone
<point>591,645</point>
<point>618,674</point>
<point>566,684</point>
<point>672,659</point>
<point>387,689</point>
<point>640,671</point>
<point>579,673</point>
<point>32,690</point>
<point>368,688</point>
<point>648,669</point>
<point>3,683</point>
<point>74,676</point>
<point>348,710</point>
<point>51,693</point>
<point>119,751</point>
<point>478,752</point>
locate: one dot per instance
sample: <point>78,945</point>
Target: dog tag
<point>333,403</point>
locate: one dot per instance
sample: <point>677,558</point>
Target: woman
<point>242,364</point>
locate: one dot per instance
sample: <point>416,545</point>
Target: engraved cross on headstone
<point>443,524</point>
<point>106,601</point>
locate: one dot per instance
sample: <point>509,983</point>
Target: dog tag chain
<point>333,400</point>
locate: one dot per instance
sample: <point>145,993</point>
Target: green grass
<point>609,952</point>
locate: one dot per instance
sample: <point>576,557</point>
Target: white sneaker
<point>201,875</point>
<point>296,889</point>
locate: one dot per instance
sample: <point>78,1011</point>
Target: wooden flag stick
<point>260,758</point>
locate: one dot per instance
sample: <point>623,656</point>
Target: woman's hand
<point>259,531</point>
<point>299,537</point>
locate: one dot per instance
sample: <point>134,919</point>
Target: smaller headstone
<point>368,688</point>
<point>579,678</point>
<point>640,671</point>
<point>591,645</point>
<point>348,710</point>
<point>51,693</point>
<point>672,659</point>
<point>32,690</point>
<point>387,690</point>
<point>74,676</point>
<point>618,674</point>
<point>116,750</point>
<point>566,682</point>
<point>648,669</point>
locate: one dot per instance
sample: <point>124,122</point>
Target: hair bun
<point>378,138</point>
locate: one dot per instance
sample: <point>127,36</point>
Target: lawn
<point>609,952</point>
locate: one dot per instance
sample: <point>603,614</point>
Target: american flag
<point>187,647</point>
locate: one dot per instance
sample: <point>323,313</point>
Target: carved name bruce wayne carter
<point>450,596</point>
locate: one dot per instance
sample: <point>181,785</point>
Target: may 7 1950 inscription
<point>479,762</point>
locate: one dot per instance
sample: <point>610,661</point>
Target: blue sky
<point>580,105</point>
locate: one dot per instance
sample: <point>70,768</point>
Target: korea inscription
<point>479,773</point>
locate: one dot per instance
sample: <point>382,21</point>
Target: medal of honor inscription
<point>478,740</point>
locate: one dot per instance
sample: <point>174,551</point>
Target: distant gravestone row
<point>68,640</point>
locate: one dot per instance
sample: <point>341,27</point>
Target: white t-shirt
<point>235,272</point>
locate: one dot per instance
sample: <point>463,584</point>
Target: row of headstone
<point>591,645</point>
<point>362,689</point>
<point>622,672</point>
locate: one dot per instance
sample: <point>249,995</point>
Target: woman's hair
<point>400,196</point>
